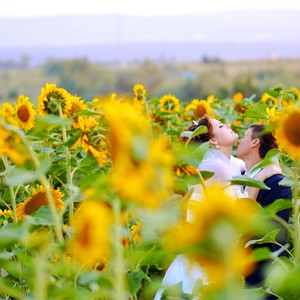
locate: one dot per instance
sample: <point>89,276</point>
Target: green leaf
<point>55,120</point>
<point>257,112</point>
<point>206,174</point>
<point>262,253</point>
<point>42,217</point>
<point>11,234</point>
<point>10,288</point>
<point>8,170</point>
<point>88,112</point>
<point>269,238</point>
<point>277,206</point>
<point>195,154</point>
<point>271,158</point>
<point>21,176</point>
<point>186,133</point>
<point>88,277</point>
<point>247,181</point>
<point>134,281</point>
<point>71,141</point>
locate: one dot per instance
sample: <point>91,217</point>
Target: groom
<point>252,148</point>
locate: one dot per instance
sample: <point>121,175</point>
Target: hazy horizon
<point>230,35</point>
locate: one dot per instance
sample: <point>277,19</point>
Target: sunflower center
<point>23,113</point>
<point>200,111</point>
<point>169,105</point>
<point>35,203</point>
<point>291,128</point>
<point>84,235</point>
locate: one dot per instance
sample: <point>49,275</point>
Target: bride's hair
<point>203,137</point>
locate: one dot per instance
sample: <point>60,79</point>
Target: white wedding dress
<point>224,168</point>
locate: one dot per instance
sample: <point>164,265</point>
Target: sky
<point>41,8</point>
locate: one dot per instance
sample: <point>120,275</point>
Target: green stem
<point>287,250</point>
<point>44,181</point>
<point>296,214</point>
<point>12,192</point>
<point>202,182</point>
<point>120,293</point>
<point>148,111</point>
<point>40,278</point>
<point>55,216</point>
<point>283,223</point>
<point>69,172</point>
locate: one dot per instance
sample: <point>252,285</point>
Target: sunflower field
<point>94,197</point>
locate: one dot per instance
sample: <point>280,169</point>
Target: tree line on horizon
<point>186,80</point>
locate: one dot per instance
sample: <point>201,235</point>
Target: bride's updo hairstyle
<point>267,140</point>
<point>204,137</point>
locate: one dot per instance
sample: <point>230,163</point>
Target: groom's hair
<point>267,140</point>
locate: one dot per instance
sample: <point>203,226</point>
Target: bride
<point>218,159</point>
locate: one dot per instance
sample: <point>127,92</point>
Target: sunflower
<point>186,170</point>
<point>238,97</point>
<point>135,231</point>
<point>211,208</point>
<point>213,238</point>
<point>102,265</point>
<point>76,104</point>
<point>91,140</point>
<point>12,146</point>
<point>91,241</point>
<point>51,97</point>
<point>268,99</point>
<point>210,99</point>
<point>149,177</point>
<point>197,109</point>
<point>6,109</point>
<point>125,121</point>
<point>38,199</point>
<point>139,94</point>
<point>169,103</point>
<point>219,271</point>
<point>6,213</point>
<point>288,134</point>
<point>7,112</point>
<point>25,112</point>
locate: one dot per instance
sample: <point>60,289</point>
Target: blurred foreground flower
<point>288,133</point>
<point>213,239</point>
<point>91,241</point>
<point>11,145</point>
<point>145,161</point>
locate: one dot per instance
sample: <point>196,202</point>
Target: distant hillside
<point>232,35</point>
<point>129,52</point>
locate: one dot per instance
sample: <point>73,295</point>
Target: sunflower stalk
<point>12,192</point>
<point>148,111</point>
<point>40,278</point>
<point>296,214</point>
<point>202,182</point>
<point>119,282</point>
<point>69,172</point>
<point>44,181</point>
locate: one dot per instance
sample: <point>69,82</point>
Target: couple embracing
<point>251,150</point>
